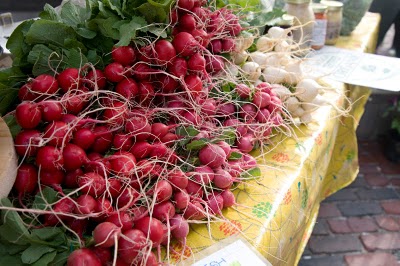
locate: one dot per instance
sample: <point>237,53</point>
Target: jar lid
<point>286,20</point>
<point>332,5</point>
<point>319,8</point>
<point>297,1</point>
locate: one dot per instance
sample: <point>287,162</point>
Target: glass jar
<point>304,16</point>
<point>321,21</point>
<point>335,17</point>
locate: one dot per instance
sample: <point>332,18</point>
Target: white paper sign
<point>237,253</point>
<point>356,68</point>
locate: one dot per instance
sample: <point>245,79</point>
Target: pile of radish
<point>140,149</point>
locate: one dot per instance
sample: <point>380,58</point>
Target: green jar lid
<point>319,8</point>
<point>333,5</point>
<point>297,1</point>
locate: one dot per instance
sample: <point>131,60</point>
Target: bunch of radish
<point>141,148</point>
<point>274,61</point>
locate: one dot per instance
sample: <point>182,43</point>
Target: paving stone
<point>358,182</point>
<point>391,207</point>
<point>387,223</point>
<point>390,168</point>
<point>320,228</point>
<point>335,260</point>
<point>343,195</point>
<point>385,241</point>
<point>362,224</point>
<point>371,259</point>
<point>328,210</point>
<point>335,244</point>
<point>307,252</point>
<point>377,194</point>
<point>359,208</point>
<point>376,180</point>
<point>395,182</point>
<point>339,226</point>
<point>369,169</point>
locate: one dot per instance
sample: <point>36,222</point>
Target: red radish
<point>158,130</point>
<point>26,180</point>
<point>201,36</point>
<point>131,244</point>
<point>25,93</point>
<point>194,211</point>
<point>79,226</point>
<point>215,202</point>
<point>261,99</point>
<point>228,198</point>
<point>265,87</point>
<point>84,138</point>
<point>127,198</point>
<point>159,150</point>
<point>187,22</point>
<point>122,163</point>
<point>125,55</point>
<point>139,127</point>
<point>178,67</point>
<point>28,115</point>
<point>74,157</point>
<point>246,143</point>
<point>197,62</point>
<point>216,46</point>
<point>103,207</point>
<point>114,187</point>
<point>162,191</point>
<point>222,179</point>
<point>122,142</point>
<point>214,64</point>
<point>194,84</point>
<point>240,127</point>
<point>103,140</point>
<point>173,16</point>
<point>203,174</point>
<point>152,228</point>
<point>228,45</point>
<point>181,199</point>
<point>92,183</point>
<point>164,211</point>
<point>105,234</point>
<point>226,109</point>
<point>52,178</point>
<point>146,93</point>
<point>44,84</point>
<point>185,44</point>
<point>200,12</point>
<point>226,147</point>
<point>128,88</point>
<point>169,139</point>
<point>49,158</point>
<point>191,117</point>
<point>194,189</point>
<point>114,72</point>
<point>209,107</point>
<point>51,111</point>
<point>65,205</point>
<point>179,227</point>
<point>185,4</point>
<point>26,142</point>
<point>57,133</point>
<point>71,178</point>
<point>142,71</point>
<point>83,257</point>
<point>96,80</point>
<point>178,179</point>
<point>86,204</point>
<point>116,113</point>
<point>141,149</point>
<point>263,116</point>
<point>166,83</point>
<point>164,52</point>
<point>75,101</point>
<point>104,254</point>
<point>248,162</point>
<point>243,91</point>
<point>145,54</point>
<point>150,259</point>
<point>212,155</point>
<point>121,219</point>
<point>248,112</point>
<point>68,79</point>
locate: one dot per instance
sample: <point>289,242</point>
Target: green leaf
<point>128,31</point>
<point>17,44</point>
<point>10,260</point>
<point>189,131</point>
<point>49,196</point>
<point>15,249</point>
<point>73,14</point>
<point>47,233</point>
<point>60,259</point>
<point>12,218</point>
<point>7,98</point>
<point>8,233</point>
<point>252,173</point>
<point>43,59</point>
<point>34,252</point>
<point>115,6</point>
<point>49,32</point>
<point>197,144</point>
<point>156,30</point>
<point>74,58</point>
<point>262,18</point>
<point>46,259</point>
<point>152,13</point>
<point>86,33</point>
<point>228,135</point>
<point>235,156</point>
<point>49,13</point>
<point>12,124</point>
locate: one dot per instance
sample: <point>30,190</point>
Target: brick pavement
<point>360,224</point>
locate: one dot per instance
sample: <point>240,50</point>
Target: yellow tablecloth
<point>277,212</point>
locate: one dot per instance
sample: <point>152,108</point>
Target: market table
<point>277,212</point>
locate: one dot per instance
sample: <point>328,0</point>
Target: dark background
<point>25,9</point>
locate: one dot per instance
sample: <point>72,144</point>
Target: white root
<point>298,112</point>
<point>282,47</point>
<point>292,104</point>
<point>281,91</point>
<point>306,118</point>
<point>232,69</point>
<point>307,90</point>
<point>315,104</point>
<point>252,70</point>
<point>265,44</point>
<point>277,33</point>
<point>274,75</point>
<point>243,43</point>
<point>239,57</point>
<point>259,57</point>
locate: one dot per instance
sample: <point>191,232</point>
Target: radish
<point>103,140</point>
<point>263,116</point>
<point>214,64</point>
<point>141,149</point>
<point>261,99</point>
<point>128,197</point>
<point>26,142</point>
<point>145,54</point>
<point>208,106</point>
<point>83,257</point>
<point>248,112</point>
<point>181,199</point>
<point>226,109</point>
<point>203,174</point>
<point>194,211</point>
<point>152,228</point>
<point>128,88</point>
<point>178,67</point>
<point>167,84</point>
<point>26,180</point>
<point>187,23</point>
<point>114,187</point>
<point>222,179</point>
<point>49,158</point>
<point>52,179</point>
<point>75,101</point>
<point>307,90</point>
<point>25,93</point>
<point>212,155</point>
<point>131,244</point>
<point>164,52</point>
<point>78,226</point>
<point>265,44</point>
<point>274,74</point>
<point>51,111</point>
<point>194,189</point>
<point>65,205</point>
<point>105,234</point>
<point>169,139</point>
<point>240,127</point>
<point>164,211</point>
<point>95,80</point>
<point>74,157</point>
<point>138,127</point>
<point>121,219</point>
<point>44,84</point>
<point>228,198</point>
<point>57,133</point>
<point>228,45</point>
<point>85,204</point>
<point>185,4</point>
<point>196,62</point>
<point>92,183</point>
<point>246,143</point>
<point>259,58</point>
<point>201,36</point>
<point>122,163</point>
<point>216,46</point>
<point>122,142</point>
<point>179,227</point>
<point>185,44</point>
<point>178,179</point>
<point>251,70</point>
<point>215,202</point>
<point>162,191</point>
<point>28,115</point>
<point>194,84</point>
<point>243,91</point>
<point>125,55</point>
<point>226,147</point>
<point>104,254</point>
<point>68,79</point>
<point>114,72</point>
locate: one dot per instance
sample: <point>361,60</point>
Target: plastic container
<point>304,16</point>
<point>8,160</point>
<point>321,21</point>
<point>335,17</point>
